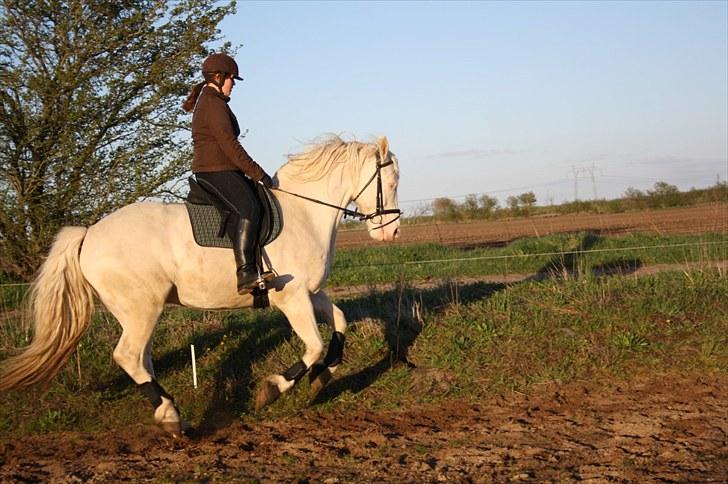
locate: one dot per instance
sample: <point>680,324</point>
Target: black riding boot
<point>244,249</point>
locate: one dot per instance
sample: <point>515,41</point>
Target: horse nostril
<point>396,233</point>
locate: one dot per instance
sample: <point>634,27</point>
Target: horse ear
<point>383,144</point>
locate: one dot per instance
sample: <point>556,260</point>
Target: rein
<point>380,210</point>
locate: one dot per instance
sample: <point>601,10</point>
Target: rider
<point>221,161</point>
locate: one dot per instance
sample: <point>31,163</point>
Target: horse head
<point>377,192</point>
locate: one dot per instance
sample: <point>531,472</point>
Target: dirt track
<point>659,429</point>
<point>691,220</point>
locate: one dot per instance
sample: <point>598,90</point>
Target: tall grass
<point>405,346</point>
<point>582,253</point>
<point>15,325</point>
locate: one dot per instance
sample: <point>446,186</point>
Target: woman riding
<point>221,162</point>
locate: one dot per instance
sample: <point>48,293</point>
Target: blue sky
<point>493,97</point>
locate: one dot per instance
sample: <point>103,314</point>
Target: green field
<point>405,346</point>
<point>581,254</point>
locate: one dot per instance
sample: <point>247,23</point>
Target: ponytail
<point>189,104</point>
<point>216,78</point>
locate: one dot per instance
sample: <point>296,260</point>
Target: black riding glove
<point>266,181</point>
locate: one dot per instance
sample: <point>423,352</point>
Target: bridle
<point>380,211</point>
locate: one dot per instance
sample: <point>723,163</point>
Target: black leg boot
<point>244,249</point>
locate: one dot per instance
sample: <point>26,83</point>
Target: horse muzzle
<point>387,232</point>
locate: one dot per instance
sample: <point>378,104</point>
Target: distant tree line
<point>662,195</point>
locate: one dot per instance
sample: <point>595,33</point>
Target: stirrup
<point>264,278</point>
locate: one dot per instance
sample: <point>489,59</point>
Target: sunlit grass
<point>564,254</point>
<point>405,346</point>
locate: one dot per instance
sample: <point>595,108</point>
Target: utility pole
<point>575,173</point>
<point>584,173</point>
<point>592,172</point>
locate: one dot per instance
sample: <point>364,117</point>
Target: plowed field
<point>691,220</point>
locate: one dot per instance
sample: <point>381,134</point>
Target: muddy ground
<point>660,428</point>
<point>690,220</point>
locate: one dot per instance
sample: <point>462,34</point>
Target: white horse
<point>144,256</point>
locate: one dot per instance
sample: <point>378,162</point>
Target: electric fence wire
<point>538,254</point>
<point>508,256</point>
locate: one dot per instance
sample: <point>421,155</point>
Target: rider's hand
<point>266,181</point>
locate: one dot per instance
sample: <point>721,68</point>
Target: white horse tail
<point>62,304</point>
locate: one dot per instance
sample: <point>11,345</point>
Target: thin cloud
<point>473,154</point>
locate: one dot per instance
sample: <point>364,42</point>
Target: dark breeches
<point>238,191</point>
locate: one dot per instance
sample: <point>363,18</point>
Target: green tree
<point>90,116</point>
<point>470,206</point>
<point>662,189</point>
<point>513,202</point>
<point>488,204</point>
<point>633,193</point>
<point>445,209</point>
<point>527,199</point>
<point>664,194</point>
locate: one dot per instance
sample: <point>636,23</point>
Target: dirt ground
<point>691,220</point>
<point>660,428</point>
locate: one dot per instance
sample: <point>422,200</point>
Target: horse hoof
<point>175,429</point>
<point>267,394</point>
<point>320,380</point>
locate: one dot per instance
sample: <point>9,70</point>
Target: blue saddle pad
<point>208,222</point>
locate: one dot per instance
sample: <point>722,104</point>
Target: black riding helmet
<point>221,63</point>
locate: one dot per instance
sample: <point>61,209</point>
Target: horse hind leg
<point>133,353</point>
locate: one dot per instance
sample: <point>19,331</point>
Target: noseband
<point>379,211</point>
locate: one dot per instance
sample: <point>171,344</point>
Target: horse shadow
<point>573,264</point>
<point>401,328</point>
<point>619,267</point>
<point>231,393</point>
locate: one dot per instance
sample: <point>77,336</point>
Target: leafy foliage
<point>445,209</point>
<point>90,116</point>
<point>662,195</point>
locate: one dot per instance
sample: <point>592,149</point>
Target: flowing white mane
<point>320,158</point>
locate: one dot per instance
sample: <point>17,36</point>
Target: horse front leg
<point>322,372</point>
<point>300,314</point>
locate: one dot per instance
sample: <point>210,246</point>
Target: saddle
<point>209,216</point>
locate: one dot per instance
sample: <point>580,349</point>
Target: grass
<point>585,253</point>
<point>405,346</point>
<point>15,327</point>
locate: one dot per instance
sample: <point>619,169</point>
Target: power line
<point>509,256</point>
<point>539,254</point>
<point>502,190</point>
